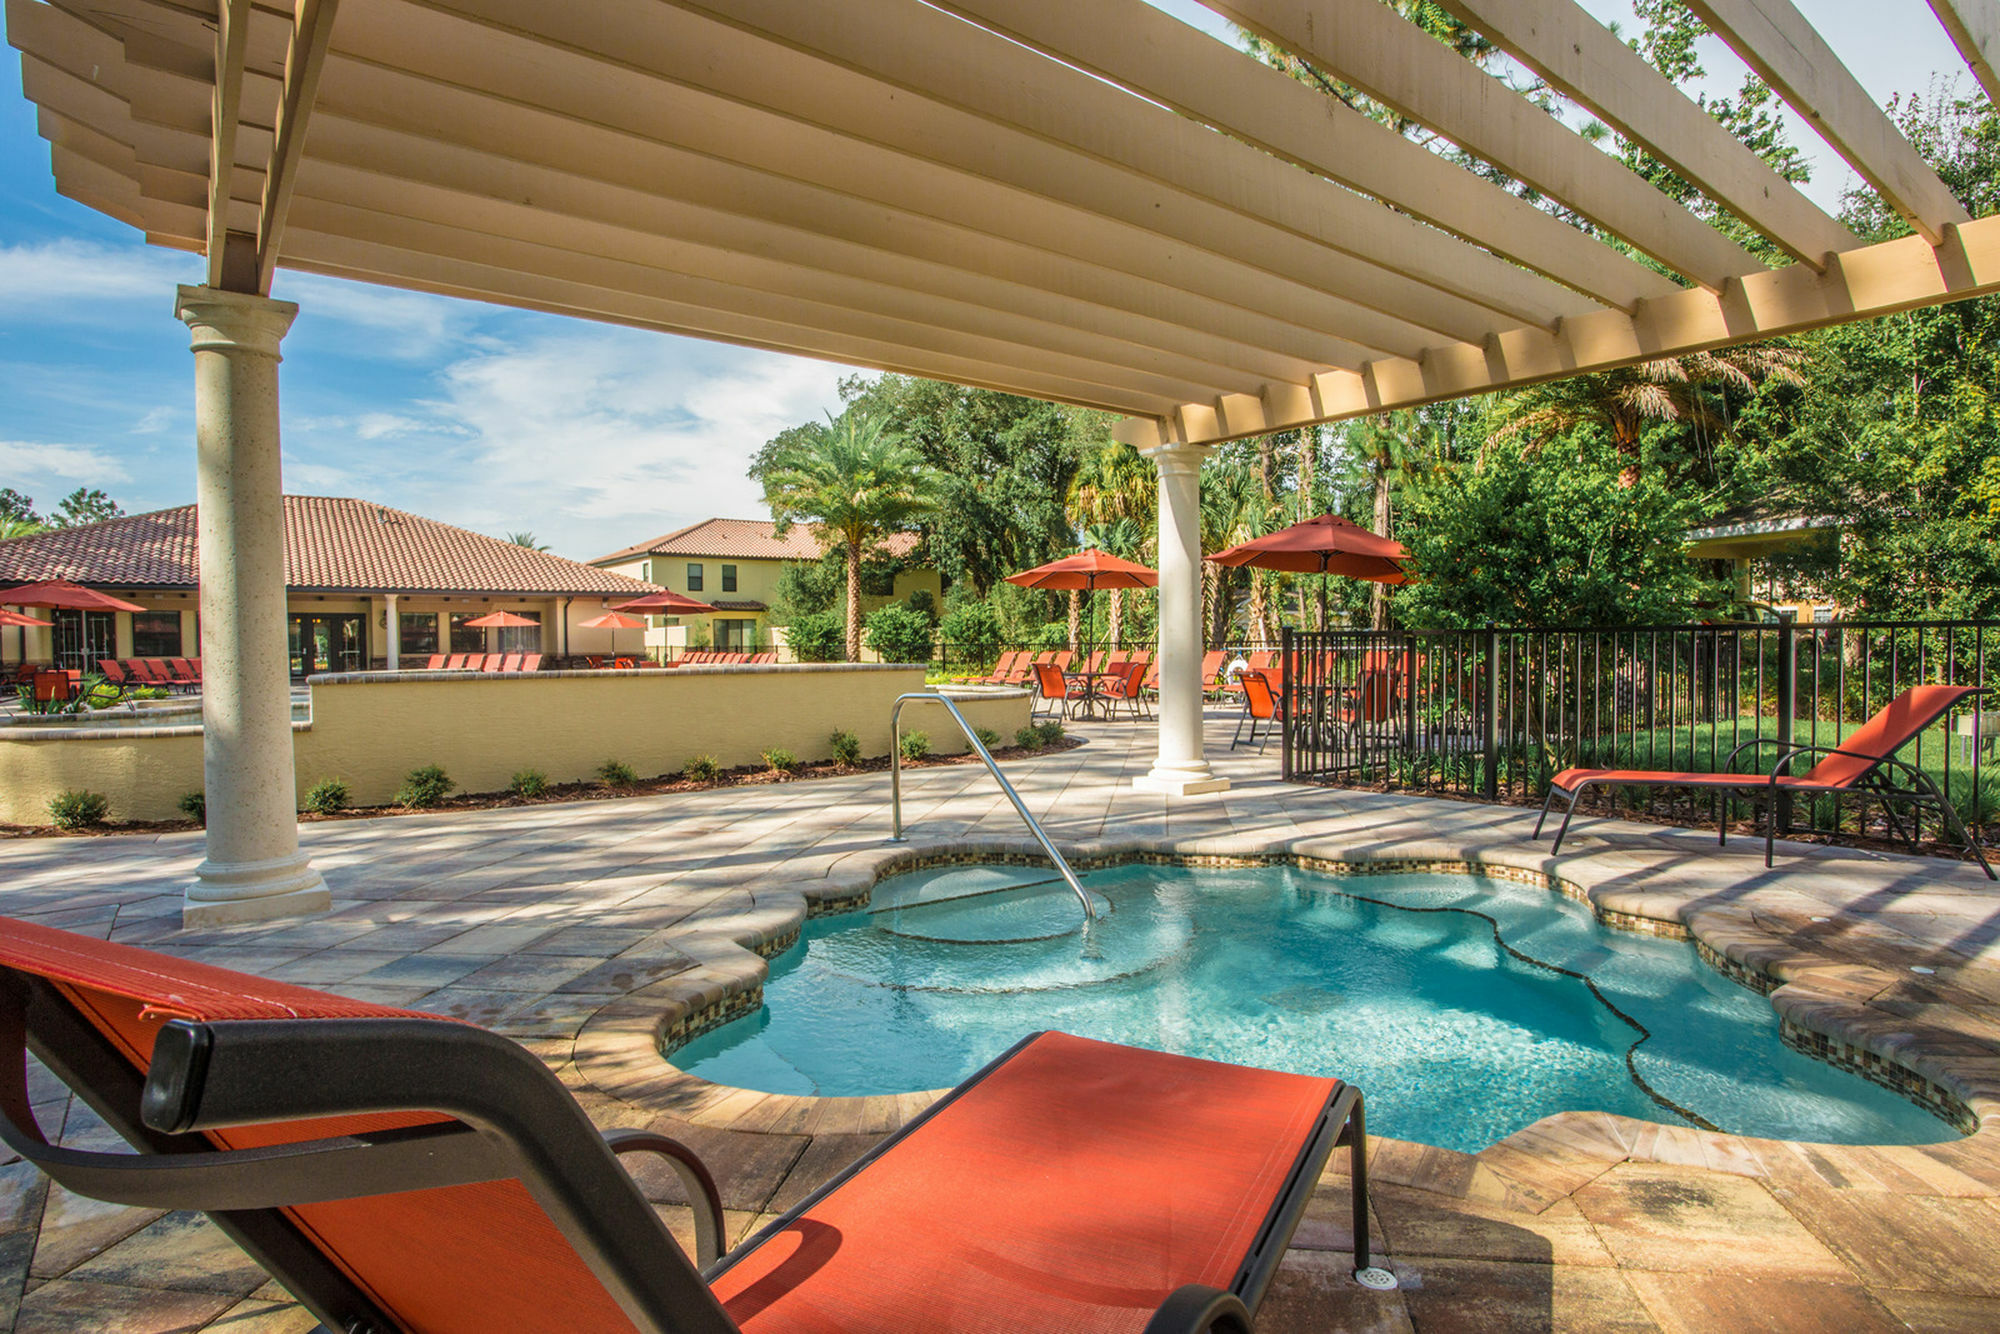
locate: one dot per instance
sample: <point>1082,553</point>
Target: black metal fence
<point>1496,713</point>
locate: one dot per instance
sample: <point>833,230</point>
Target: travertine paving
<point>583,930</point>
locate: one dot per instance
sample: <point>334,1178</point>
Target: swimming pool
<point>1397,983</point>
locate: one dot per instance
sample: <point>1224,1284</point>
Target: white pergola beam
<point>1139,47</point>
<point>1585,60</point>
<point>304,59</point>
<point>1369,45</point>
<point>232,30</point>
<point>1775,40</point>
<point>1974,26</point>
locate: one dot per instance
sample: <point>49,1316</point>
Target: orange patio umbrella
<point>1088,570</point>
<point>614,621</point>
<point>16,618</point>
<point>500,620</point>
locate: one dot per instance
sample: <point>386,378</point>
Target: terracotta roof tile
<point>750,539</point>
<point>330,544</point>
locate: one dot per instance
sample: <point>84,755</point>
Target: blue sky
<point>589,435</point>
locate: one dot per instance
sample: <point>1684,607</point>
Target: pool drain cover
<point>1375,1279</point>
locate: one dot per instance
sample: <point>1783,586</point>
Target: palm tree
<point>12,527</point>
<point>1122,538</point>
<point>527,540</point>
<point>1231,511</point>
<point>1390,447</point>
<point>1115,491</point>
<point>1690,390</point>
<point>854,481</point>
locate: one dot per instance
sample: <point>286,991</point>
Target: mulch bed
<point>749,775</point>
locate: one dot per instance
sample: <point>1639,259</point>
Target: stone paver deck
<point>583,930</point>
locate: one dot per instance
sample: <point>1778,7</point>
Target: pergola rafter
<point>1094,204</point>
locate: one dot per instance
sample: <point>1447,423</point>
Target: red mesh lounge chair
<point>530,662</point>
<point>398,1172</point>
<point>184,672</point>
<point>112,671</point>
<point>1864,763</point>
<point>510,662</point>
<point>435,662</point>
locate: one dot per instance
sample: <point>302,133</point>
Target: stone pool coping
<point>1945,1057</point>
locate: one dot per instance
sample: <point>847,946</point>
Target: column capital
<point>223,321</point>
<point>1178,455</point>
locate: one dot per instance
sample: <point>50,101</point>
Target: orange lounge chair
<point>435,663</point>
<point>530,662</point>
<point>1861,764</point>
<point>112,671</point>
<point>511,663</point>
<point>490,663</point>
<point>398,1171</point>
<point>184,672</point>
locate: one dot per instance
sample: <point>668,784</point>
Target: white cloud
<point>392,324</point>
<point>159,420</point>
<point>29,460</point>
<point>70,279</point>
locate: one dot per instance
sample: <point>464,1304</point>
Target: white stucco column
<point>1179,767</point>
<point>254,869</point>
<point>393,623</point>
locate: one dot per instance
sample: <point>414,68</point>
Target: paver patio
<point>580,929</point>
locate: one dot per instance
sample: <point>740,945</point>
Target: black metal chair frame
<point>513,1120</point>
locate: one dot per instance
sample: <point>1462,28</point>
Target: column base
<point>227,893</point>
<point>1180,782</point>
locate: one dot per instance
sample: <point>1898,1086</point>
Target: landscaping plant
<point>846,747</point>
<point>424,787</point>
<point>75,808</point>
<point>781,760</point>
<point>329,796</point>
<point>700,769</point>
<point>529,783</point>
<point>195,806</point>
<point>916,745</point>
<point>1029,737</point>
<point>616,773</point>
<point>987,737</point>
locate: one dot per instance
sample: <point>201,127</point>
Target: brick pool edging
<point>622,1050</point>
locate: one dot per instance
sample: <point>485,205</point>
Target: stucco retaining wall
<point>373,728</point>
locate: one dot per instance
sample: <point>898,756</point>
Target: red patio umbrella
<point>1325,545</point>
<point>61,593</point>
<point>614,622</point>
<point>16,618</point>
<point>500,620</point>
<point>666,602</point>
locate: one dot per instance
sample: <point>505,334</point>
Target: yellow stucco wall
<point>371,731</point>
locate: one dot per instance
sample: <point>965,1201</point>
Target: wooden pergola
<point>1091,203</point>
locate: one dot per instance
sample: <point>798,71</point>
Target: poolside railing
<point>1495,713</point>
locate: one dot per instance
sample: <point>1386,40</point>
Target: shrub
<point>1051,730</point>
<point>987,737</point>
<point>974,631</point>
<point>424,787</point>
<point>150,692</point>
<point>781,760</point>
<point>75,808</point>
<point>616,773</point>
<point>1055,634</point>
<point>846,747</point>
<point>528,783</point>
<point>819,636</point>
<point>1029,737</point>
<point>327,796</point>
<point>916,745</point>
<point>195,806</point>
<point>700,769</point>
<point>900,634</point>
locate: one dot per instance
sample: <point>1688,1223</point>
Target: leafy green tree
<point>901,633</point>
<point>84,505</point>
<point>855,482</point>
<point>819,636</point>
<point>974,630</point>
<point>1548,538</point>
<point>17,507</point>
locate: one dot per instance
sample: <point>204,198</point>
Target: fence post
<point>1788,685</point>
<point>1289,710</point>
<point>1410,702</point>
<point>1489,723</point>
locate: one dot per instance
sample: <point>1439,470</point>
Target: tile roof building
<point>348,565</point>
<point>751,539</point>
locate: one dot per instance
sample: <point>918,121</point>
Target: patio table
<point>1091,700</point>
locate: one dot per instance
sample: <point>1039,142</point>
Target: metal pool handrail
<point>979,749</point>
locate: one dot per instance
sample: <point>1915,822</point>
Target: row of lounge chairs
<point>173,673</point>
<point>484,662</point>
<point>395,1170</point>
<point>708,657</point>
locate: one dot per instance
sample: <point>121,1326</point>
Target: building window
<point>736,636</point>
<point>522,638</point>
<point>1822,615</point>
<point>646,571</point>
<point>83,637</point>
<point>156,634</point>
<point>418,633</point>
<point>729,578</point>
<point>694,578</point>
<point>464,638</point>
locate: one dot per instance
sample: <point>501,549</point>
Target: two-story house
<point>734,565</point>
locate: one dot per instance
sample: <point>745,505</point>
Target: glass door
<point>321,643</point>
<point>82,637</point>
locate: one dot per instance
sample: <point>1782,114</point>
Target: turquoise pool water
<point>1393,982</point>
